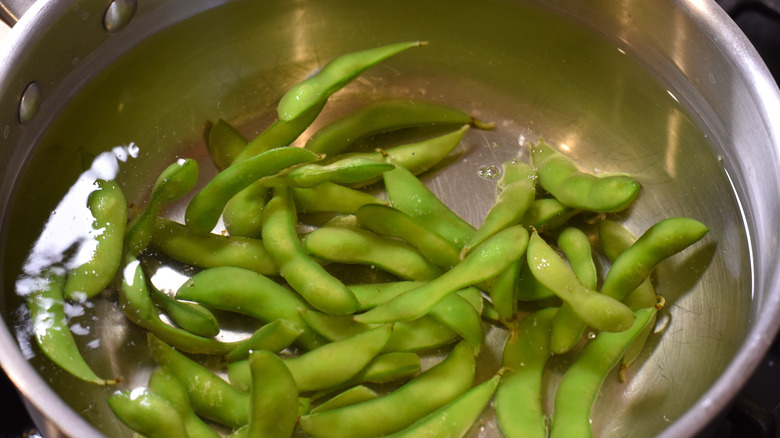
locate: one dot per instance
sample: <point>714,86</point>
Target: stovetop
<point>756,409</point>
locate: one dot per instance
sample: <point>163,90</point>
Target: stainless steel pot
<point>668,90</point>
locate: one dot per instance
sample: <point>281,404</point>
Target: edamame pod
<point>581,383</point>
<point>516,191</point>
<point>249,293</point>
<point>454,419</point>
<point>327,366</point>
<point>205,209</point>
<point>392,222</point>
<point>243,214</point>
<point>224,143</point>
<point>336,74</point>
<point>664,239</point>
<point>355,394</point>
<point>356,246</point>
<point>616,239</point>
<point>400,408</point>
<point>192,317</point>
<point>503,290</point>
<point>560,177</point>
<point>210,395</point>
<point>459,315</point>
<point>484,262</point>
<point>420,334</point>
<point>165,384</point>
<point>174,182</point>
<point>212,250</point>
<point>318,287</point>
<point>273,402</point>
<point>50,327</point>
<point>415,157</point>
<point>597,310</point>
<point>407,193</point>
<point>349,169</point>
<point>383,117</point>
<point>332,198</point>
<point>280,133</point>
<point>519,409</point>
<point>109,208</point>
<point>547,214</point>
<point>147,413</point>
<point>274,336</point>
<point>568,327</point>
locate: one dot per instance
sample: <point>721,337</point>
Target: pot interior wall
<point>533,72</point>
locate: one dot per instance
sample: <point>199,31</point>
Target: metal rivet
<point>30,102</point>
<point>118,14</point>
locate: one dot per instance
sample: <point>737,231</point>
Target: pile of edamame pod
<point>331,358</point>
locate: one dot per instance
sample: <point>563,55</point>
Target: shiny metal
<point>118,14</point>
<point>30,102</point>
<point>12,10</point>
<point>668,90</point>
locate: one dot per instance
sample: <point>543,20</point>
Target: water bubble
<point>488,172</point>
<point>591,335</point>
<point>6,131</point>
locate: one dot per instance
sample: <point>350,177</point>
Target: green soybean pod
<point>485,261</point>
<point>172,183</point>
<point>280,133</point>
<point>392,222</point>
<point>46,304</point>
<point>274,336</point>
<point>560,177</point>
<point>516,191</point>
<point>147,413</point>
<point>307,277</point>
<point>568,327</point>
<point>249,293</point>
<point>109,209</point>
<point>597,310</point>
<point>407,193</point>
<point>662,240</point>
<point>210,395</point>
<point>273,401</point>
<point>165,384</point>
<point>204,210</point>
<point>423,333</point>
<point>370,295</point>
<point>212,250</point>
<point>224,143</point>
<point>355,394</point>
<point>389,367</point>
<point>416,157</point>
<point>458,314</point>
<point>519,409</point>
<point>333,76</point>
<point>383,117</point>
<point>400,408</point>
<point>582,382</point>
<point>616,239</point>
<point>456,418</point>
<point>503,290</point>
<point>547,213</point>
<point>349,169</point>
<point>192,317</point>
<point>243,213</point>
<point>332,198</point>
<point>356,246</point>
<point>327,366</point>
